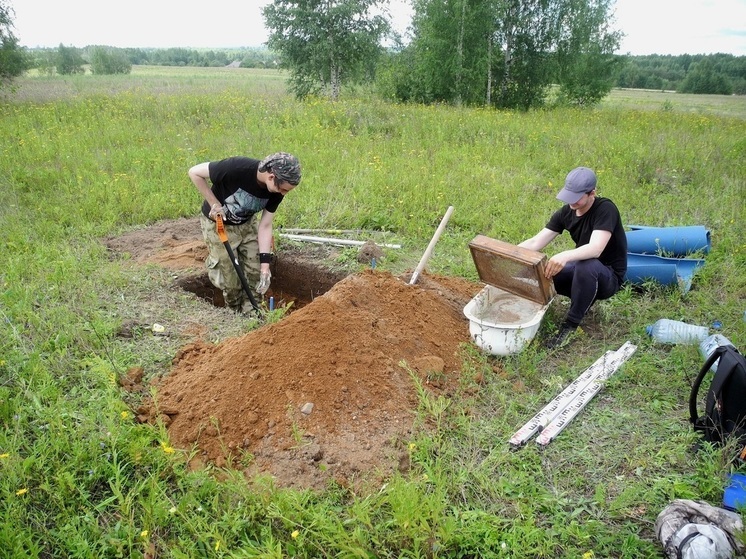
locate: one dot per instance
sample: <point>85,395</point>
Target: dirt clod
<point>369,252</point>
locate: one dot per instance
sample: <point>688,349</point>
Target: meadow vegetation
<point>87,156</point>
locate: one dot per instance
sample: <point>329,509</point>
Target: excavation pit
<point>299,273</point>
<point>296,281</point>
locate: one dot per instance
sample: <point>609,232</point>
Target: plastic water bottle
<point>668,331</point>
<point>710,344</point>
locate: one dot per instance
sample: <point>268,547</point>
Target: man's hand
<point>555,264</point>
<point>264,280</point>
<point>215,210</point>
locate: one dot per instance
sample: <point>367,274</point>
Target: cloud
<point>650,26</point>
<point>677,27</point>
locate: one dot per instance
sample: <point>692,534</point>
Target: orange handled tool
<point>224,239</point>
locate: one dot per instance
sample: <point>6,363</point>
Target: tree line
<point>502,53</point>
<point>723,74</point>
<point>101,59</point>
<point>713,73</point>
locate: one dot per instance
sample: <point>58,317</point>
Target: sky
<point>650,26</point>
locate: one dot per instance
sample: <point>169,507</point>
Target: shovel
<point>431,246</point>
<point>224,238</point>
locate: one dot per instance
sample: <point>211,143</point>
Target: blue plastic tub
<point>735,494</point>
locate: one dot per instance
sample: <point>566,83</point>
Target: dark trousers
<point>585,282</point>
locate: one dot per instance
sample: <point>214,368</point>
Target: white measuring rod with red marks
<point>555,416</point>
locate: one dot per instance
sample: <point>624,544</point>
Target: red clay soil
<point>325,393</point>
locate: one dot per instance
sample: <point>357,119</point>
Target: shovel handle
<point>431,246</point>
<point>221,229</point>
<point>236,266</point>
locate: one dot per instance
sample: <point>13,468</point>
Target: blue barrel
<point>670,241</point>
<point>666,271</point>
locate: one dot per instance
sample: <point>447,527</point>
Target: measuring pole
<point>549,413</point>
<point>550,432</point>
<point>559,403</point>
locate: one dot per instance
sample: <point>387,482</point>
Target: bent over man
<point>238,188</point>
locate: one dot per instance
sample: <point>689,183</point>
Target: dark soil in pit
<point>297,273</point>
<point>329,391</point>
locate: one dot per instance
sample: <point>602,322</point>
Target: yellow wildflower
<point>4,455</point>
<point>22,491</point>
<point>295,534</point>
<point>167,449</point>
<point>144,534</point>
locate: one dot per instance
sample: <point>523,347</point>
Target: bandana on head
<point>285,167</point>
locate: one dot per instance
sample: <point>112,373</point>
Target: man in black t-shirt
<point>239,188</point>
<point>596,267</point>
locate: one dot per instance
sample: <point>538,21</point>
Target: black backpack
<point>725,406</point>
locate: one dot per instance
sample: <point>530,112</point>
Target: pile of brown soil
<point>325,392</point>
<point>328,392</point>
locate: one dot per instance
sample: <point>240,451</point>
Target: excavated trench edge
<point>294,280</point>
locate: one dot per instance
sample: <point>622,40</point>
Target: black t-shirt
<point>235,186</point>
<point>603,216</point>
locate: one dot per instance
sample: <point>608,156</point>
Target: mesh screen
<point>515,269</point>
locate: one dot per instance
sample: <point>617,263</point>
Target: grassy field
<point>720,105</point>
<point>86,157</point>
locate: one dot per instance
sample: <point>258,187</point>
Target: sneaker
<point>561,338</point>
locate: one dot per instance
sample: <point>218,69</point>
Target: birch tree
<point>14,60</point>
<point>508,53</point>
<point>325,43</point>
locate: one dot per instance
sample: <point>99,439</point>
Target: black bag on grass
<point>725,404</point>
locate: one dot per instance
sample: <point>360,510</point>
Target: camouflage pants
<point>243,240</point>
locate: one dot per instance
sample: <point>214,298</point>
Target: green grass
<point>88,156</point>
<point>722,105</point>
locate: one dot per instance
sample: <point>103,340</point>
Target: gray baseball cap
<point>579,181</point>
<point>285,167</point>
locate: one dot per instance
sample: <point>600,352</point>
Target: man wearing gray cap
<point>237,189</point>
<point>596,267</point>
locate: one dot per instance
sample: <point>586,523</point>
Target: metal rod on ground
<point>431,246</point>
<point>325,231</point>
<point>329,241</point>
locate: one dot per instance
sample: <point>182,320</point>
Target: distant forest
<point>686,73</point>
<point>723,74</point>
<point>246,58</point>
